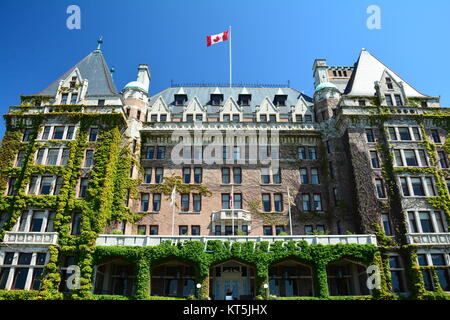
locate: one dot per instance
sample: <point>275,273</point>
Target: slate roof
<point>204,96</point>
<point>369,69</point>
<point>93,68</point>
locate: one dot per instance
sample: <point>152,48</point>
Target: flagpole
<point>230,59</point>
<point>289,206</point>
<point>172,202</point>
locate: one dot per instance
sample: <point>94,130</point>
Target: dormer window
<point>101,102</point>
<point>154,118</point>
<point>73,82</point>
<point>263,118</point>
<point>389,84</point>
<point>64,98</point>
<point>163,117</point>
<point>199,117</point>
<point>298,118</point>
<point>273,118</point>
<point>236,118</point>
<point>74,98</point>
<point>180,99</point>
<point>226,118</point>
<point>244,99</point>
<point>280,100</point>
<point>189,118</point>
<point>216,99</point>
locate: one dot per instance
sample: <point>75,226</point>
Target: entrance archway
<point>290,278</point>
<point>232,276</point>
<point>115,277</point>
<point>173,278</point>
<point>347,278</point>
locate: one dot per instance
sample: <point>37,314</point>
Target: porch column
<point>321,280</point>
<point>143,279</point>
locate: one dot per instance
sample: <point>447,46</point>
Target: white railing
<point>428,238</point>
<point>227,214</point>
<point>143,241</point>
<point>170,126</point>
<point>31,238</point>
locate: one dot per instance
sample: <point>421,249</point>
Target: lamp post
<point>199,286</point>
<point>266,290</point>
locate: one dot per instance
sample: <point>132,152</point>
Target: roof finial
<point>99,41</point>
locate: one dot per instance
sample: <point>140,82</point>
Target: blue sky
<point>273,41</point>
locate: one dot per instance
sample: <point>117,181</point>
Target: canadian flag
<point>216,38</point>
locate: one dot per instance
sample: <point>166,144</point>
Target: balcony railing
<point>429,238</point>
<point>227,215</point>
<point>143,241</point>
<point>31,238</point>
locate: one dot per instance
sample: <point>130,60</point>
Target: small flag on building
<point>216,38</point>
<point>172,197</point>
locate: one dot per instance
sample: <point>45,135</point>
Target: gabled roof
<point>369,69</point>
<point>93,68</point>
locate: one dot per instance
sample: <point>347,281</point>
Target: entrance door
<point>232,277</point>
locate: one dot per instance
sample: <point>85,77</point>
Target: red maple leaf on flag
<point>216,39</point>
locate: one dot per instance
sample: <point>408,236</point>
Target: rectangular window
<point>154,230</point>
<point>314,176</point>
<point>392,134</point>
<point>141,230</point>
<point>225,201</point>
<point>398,100</point>
<point>226,118</point>
<point>27,135</point>
<point>430,187</point>
<point>279,229</point>
<point>58,185</point>
<point>266,202</point>
<point>89,159</point>
<point>195,230</point>
<point>156,202</point>
<point>162,117</point>
<point>298,118</point>
<point>225,175</point>
<point>52,157</point>
<point>183,230</point>
<point>405,188</point>
<point>380,189</point>
<point>236,118</point>
<point>159,174</point>
<point>425,222</point>
<point>423,158</point>
<point>278,202</point>
<point>263,118</point>
<point>40,156</point>
<point>272,118</point>
<point>416,134</point>
<point>389,84</point>
<point>276,176</point>
<point>19,159</point>
<point>70,132</point>
<point>76,222</point>
<point>93,134</point>
<point>317,202</point>
<point>236,153</point>
<point>64,98</point>
<point>267,230</point>
<point>11,186</point>
<point>197,202</point>
<point>369,135</point>
<point>198,174</point>
<point>304,178</point>
<point>237,175</point>
<point>148,175</point>
<point>441,227</point>
<point>58,133</point>
<point>410,157</point>
<point>435,135</point>
<point>308,118</point>
<point>46,133</point>
<point>149,152</point>
<point>199,117</point>
<point>312,153</point>
<point>83,187</point>
<point>186,175</point>
<point>442,159</point>
<point>238,201</point>
<point>301,153</point>
<point>412,223</point>
<point>245,229</point>
<point>185,202</point>
<point>265,175</point>
<point>331,169</point>
<point>160,152</point>
<point>374,159</point>
<point>308,229</point>
<point>398,158</point>
<point>386,224</point>
<point>218,230</point>
<point>46,185</point>
<point>389,100</point>
<point>404,134</point>
<point>37,221</point>
<point>417,186</point>
<point>144,201</point>
<point>65,156</point>
<point>306,202</point>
